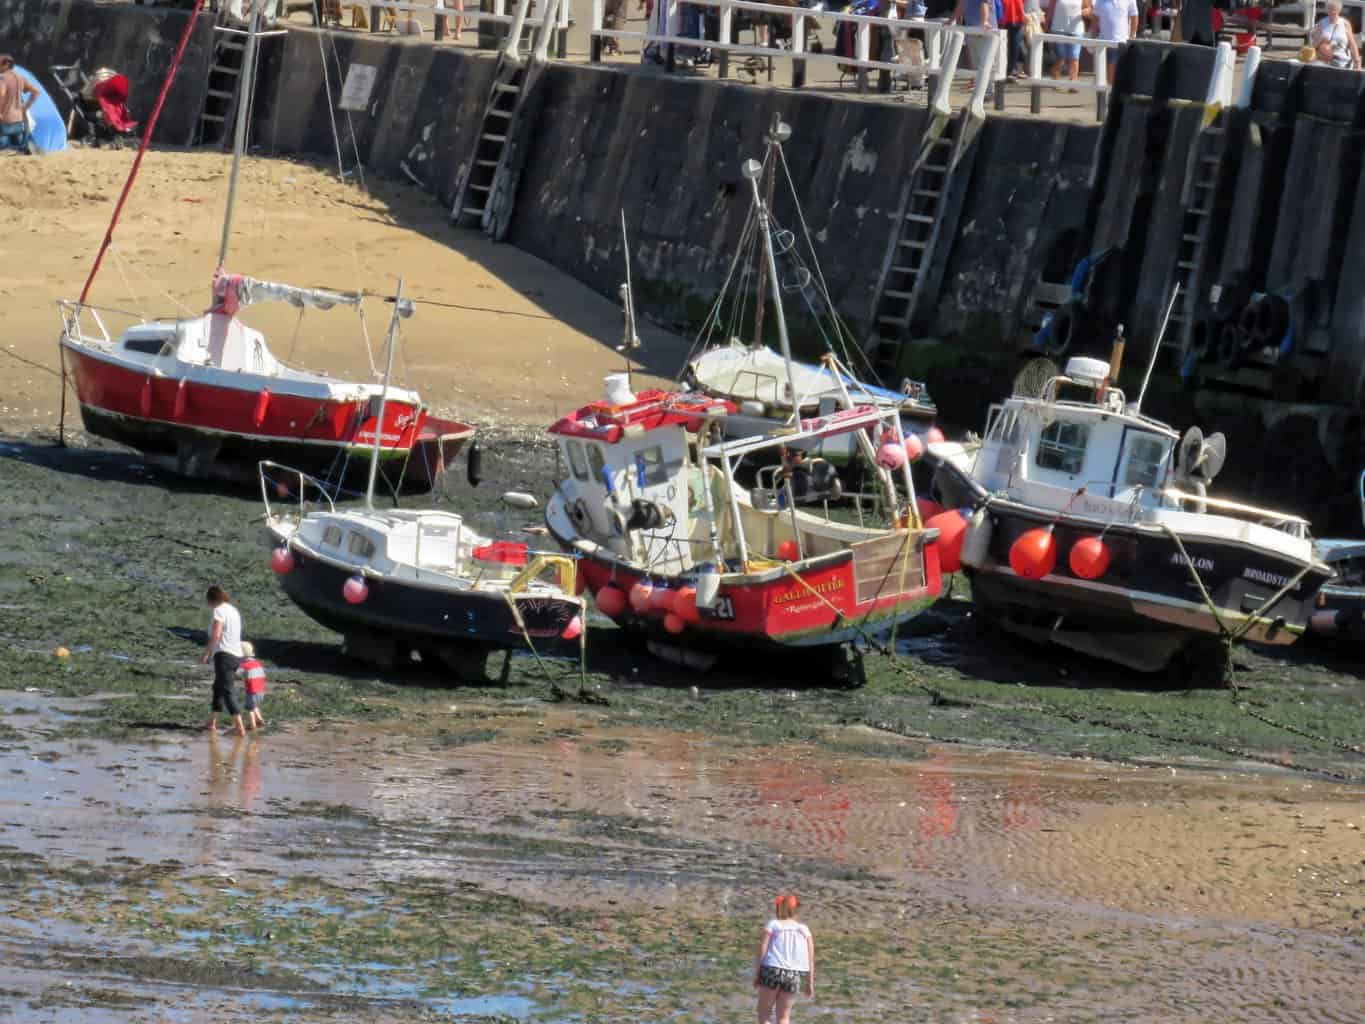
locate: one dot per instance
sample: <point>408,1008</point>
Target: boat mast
<point>384,394</point>
<point>244,95</point>
<point>774,137</point>
<point>752,169</point>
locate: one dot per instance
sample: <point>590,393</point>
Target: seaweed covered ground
<point>981,831</point>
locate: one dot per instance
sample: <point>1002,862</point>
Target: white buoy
<point>976,544</point>
<point>520,499</point>
<point>617,389</point>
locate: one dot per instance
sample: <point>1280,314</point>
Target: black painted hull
<point>1147,608</point>
<point>420,616</point>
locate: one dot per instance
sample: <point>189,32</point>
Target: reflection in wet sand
<point>1092,890</point>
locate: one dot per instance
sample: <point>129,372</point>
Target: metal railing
<point>468,14</point>
<point>1097,81</point>
<point>661,33</point>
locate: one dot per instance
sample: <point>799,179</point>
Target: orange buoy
<point>1089,558</point>
<point>262,404</point>
<point>914,446</point>
<point>928,508</point>
<point>685,604</point>
<point>640,594</point>
<point>788,551</point>
<point>1034,553</point>
<point>611,600</point>
<point>952,531</point>
<point>574,629</point>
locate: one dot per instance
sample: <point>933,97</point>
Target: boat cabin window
<point>1061,446</point>
<point>577,462</point>
<point>650,467</point>
<point>596,462</point>
<point>1145,457</point>
<point>360,545</point>
<point>332,536</point>
<point>147,346</point>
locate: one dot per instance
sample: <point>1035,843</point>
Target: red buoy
<point>1089,558</point>
<point>662,599</point>
<point>281,561</point>
<point>934,436</point>
<point>262,404</point>
<point>952,531</point>
<point>640,594</point>
<point>927,509</point>
<point>573,629</point>
<point>611,600</point>
<point>355,590</point>
<point>914,446</point>
<point>1034,553</point>
<point>685,604</point>
<point>788,551</point>
<point>891,456</point>
<point>674,624</point>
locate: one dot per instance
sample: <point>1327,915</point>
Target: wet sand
<point>515,341</point>
<point>316,865</point>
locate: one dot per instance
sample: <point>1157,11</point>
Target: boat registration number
<point>724,609</point>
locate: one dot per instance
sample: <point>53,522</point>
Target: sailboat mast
<point>244,94</point>
<point>384,394</point>
<point>752,169</point>
<point>769,181</point>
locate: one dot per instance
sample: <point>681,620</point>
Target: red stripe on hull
<point>784,610</point>
<point>120,391</point>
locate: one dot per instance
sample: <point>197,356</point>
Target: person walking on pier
<point>224,649</point>
<point>1067,18</point>
<point>786,963</point>
<point>1334,41</point>
<point>1117,21</point>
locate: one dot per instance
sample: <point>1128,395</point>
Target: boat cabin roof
<point>844,421</point>
<point>1075,411</point>
<point>652,410</point>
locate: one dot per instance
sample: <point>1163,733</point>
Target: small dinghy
<point>1089,525</point>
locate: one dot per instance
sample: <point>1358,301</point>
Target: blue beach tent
<point>47,130</point>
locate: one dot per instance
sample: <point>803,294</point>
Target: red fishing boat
<point>207,389</point>
<point>671,543</point>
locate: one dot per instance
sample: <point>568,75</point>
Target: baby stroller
<point>99,106</point>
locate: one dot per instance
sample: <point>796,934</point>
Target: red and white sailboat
<point>208,390</point>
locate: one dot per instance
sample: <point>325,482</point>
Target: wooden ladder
<point>221,91</point>
<point>1201,184</point>
<point>927,214</point>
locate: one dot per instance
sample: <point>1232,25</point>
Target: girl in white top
<point>786,962</point>
<point>1334,40</point>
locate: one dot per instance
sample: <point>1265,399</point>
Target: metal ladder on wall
<point>1201,184</point>
<point>486,189</point>
<point>220,94</point>
<point>926,215</point>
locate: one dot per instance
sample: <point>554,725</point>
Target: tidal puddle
<point>534,863</point>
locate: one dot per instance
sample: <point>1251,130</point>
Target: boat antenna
<point>751,170</point>
<point>245,92</point>
<point>631,340</point>
<point>1156,345</point>
<point>773,139</point>
<point>398,307</point>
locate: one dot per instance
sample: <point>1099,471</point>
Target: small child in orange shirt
<point>254,674</point>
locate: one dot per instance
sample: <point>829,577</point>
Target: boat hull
<point>1147,607</point>
<point>826,602</point>
<point>420,616</point>
<point>210,427</point>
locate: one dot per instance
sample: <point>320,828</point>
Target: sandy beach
<point>514,340</point>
